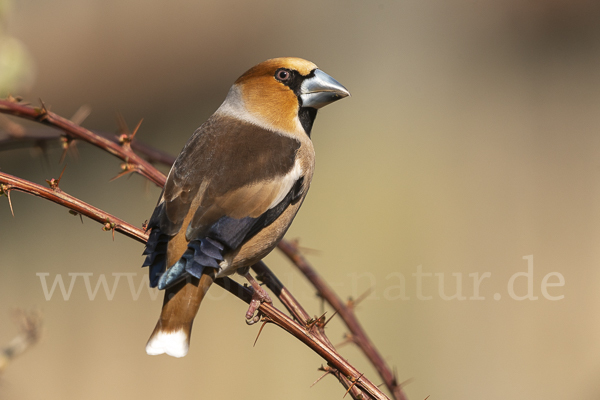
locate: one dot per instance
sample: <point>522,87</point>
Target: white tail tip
<point>175,344</point>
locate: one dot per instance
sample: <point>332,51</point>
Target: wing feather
<point>234,162</point>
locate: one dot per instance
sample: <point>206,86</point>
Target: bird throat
<point>307,116</point>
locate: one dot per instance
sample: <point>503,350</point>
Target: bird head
<point>283,94</point>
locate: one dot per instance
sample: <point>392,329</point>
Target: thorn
<point>65,142</point>
<point>42,111</point>
<point>330,318</point>
<point>125,136</point>
<point>68,143</point>
<point>313,321</point>
<point>348,338</point>
<point>126,168</point>
<point>120,174</point>
<point>294,243</point>
<point>309,251</point>
<point>321,319</point>
<point>10,204</point>
<point>5,190</point>
<point>354,382</point>
<point>259,331</point>
<point>136,130</point>
<point>302,249</point>
<point>53,183</point>
<point>145,226</point>
<point>327,372</point>
<point>406,382</point>
<point>75,213</point>
<point>61,174</point>
<point>81,114</point>
<point>427,397</point>
<point>121,124</point>
<point>353,303</point>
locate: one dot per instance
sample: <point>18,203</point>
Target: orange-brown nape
<point>269,99</point>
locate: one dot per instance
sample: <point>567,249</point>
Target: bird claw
<point>253,319</point>
<point>259,296</point>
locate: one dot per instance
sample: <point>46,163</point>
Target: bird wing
<point>231,179</point>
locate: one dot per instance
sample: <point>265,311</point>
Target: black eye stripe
<point>294,80</point>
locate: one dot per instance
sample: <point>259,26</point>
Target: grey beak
<point>320,90</point>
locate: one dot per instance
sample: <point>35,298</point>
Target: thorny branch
<point>133,162</point>
<point>311,329</point>
<point>45,138</point>
<point>317,325</point>
<point>77,207</point>
<point>357,333</point>
<point>309,333</point>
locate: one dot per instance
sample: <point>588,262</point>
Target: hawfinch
<point>234,190</point>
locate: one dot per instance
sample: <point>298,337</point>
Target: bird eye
<point>282,75</point>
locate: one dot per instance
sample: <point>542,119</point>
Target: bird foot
<point>259,296</point>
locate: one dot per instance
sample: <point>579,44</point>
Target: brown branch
<point>9,183</point>
<point>43,138</point>
<point>295,308</point>
<point>359,335</point>
<point>74,131</point>
<point>309,332</point>
<point>312,339</point>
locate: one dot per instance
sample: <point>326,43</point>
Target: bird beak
<point>320,90</point>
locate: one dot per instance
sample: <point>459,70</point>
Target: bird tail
<point>173,329</point>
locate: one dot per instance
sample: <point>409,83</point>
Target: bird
<point>234,190</point>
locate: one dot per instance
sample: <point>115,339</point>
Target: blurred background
<point>471,140</point>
